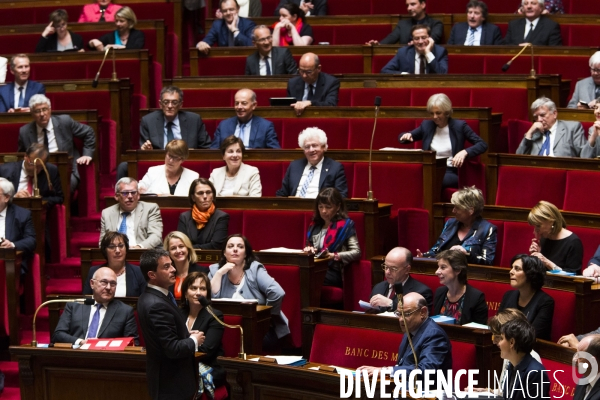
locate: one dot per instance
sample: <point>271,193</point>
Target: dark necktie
<point>545,150</point>
<point>597,92</point>
<point>170,135</point>
<point>422,65</point>
<point>311,93</point>
<point>102,11</point>
<point>471,40</point>
<point>268,66</point>
<point>392,294</point>
<point>21,98</point>
<point>95,324</point>
<point>172,298</point>
<point>528,37</point>
<point>45,132</point>
<point>231,39</point>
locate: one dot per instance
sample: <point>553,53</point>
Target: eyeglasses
<point>128,193</point>
<point>392,269</point>
<point>201,193</point>
<point>265,39</point>
<point>312,146</point>
<point>41,110</point>
<point>174,103</point>
<point>104,283</point>
<point>406,314</point>
<point>496,338</point>
<point>120,246</point>
<point>174,158</point>
<point>306,71</point>
<point>595,70</point>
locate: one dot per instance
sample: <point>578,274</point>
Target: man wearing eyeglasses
<point>57,133</point>
<point>587,91</point>
<point>431,343</point>
<point>107,318</point>
<point>396,268</point>
<point>140,221</point>
<point>269,60</point>
<point>312,87</point>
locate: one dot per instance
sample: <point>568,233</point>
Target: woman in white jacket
<point>235,178</point>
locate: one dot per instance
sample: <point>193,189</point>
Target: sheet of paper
<point>387,314</point>
<point>476,325</point>
<point>397,149</point>
<point>286,360</point>
<point>102,343</point>
<point>314,368</point>
<point>85,346</point>
<point>253,359</point>
<point>237,300</point>
<point>283,250</point>
<point>115,343</point>
<point>365,305</point>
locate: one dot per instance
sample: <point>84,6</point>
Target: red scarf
<point>284,39</point>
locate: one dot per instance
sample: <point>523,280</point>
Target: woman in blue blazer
<point>447,137</point>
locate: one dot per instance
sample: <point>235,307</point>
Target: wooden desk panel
<point>11,309</point>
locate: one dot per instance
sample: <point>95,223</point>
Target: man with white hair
<point>307,176</point>
<point>56,133</point>
<point>588,90</point>
<point>16,226</point>
<point>535,28</point>
<point>550,137</point>
<point>15,96</point>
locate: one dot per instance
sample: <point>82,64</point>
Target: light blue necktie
<point>471,37</point>
<point>545,150</point>
<point>307,181</point>
<point>21,98</point>
<point>123,226</point>
<point>242,134</point>
<point>93,330</point>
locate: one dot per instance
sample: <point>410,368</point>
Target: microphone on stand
<point>377,105</point>
<point>206,304</point>
<point>88,301</point>
<point>506,66</point>
<point>114,73</point>
<point>399,289</point>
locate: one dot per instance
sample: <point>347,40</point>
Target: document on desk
<point>291,361</point>
<point>339,370</point>
<point>365,305</point>
<point>283,250</point>
<point>476,326</point>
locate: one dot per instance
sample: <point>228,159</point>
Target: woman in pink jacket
<point>101,11</point>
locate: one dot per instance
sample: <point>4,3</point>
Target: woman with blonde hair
<point>557,247</point>
<point>125,36</point>
<point>184,258</point>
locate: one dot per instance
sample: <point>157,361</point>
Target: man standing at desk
<point>170,366</point>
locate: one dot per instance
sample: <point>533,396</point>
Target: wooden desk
<point>66,374</point>
<point>10,262</point>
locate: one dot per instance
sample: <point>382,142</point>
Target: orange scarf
<point>202,217</point>
<point>284,39</point>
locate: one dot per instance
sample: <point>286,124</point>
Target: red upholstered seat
<point>387,7</point>
<point>389,97</point>
<point>497,99</point>
<point>263,95</point>
<point>271,175</point>
<point>561,380</point>
<point>590,238</point>
<point>342,7</point>
<point>465,64</point>
<point>335,128</point>
<point>268,7</point>
<point>386,133</point>
<point>356,34</point>
<point>349,171</point>
<point>288,278</point>
<point>220,394</point>
<point>516,131</point>
<point>580,192</point>
<point>221,66</point>
<point>499,240</point>
<point>534,184</point>
<point>283,229</point>
<point>170,218</point>
<point>231,337</point>
<point>209,98</point>
<point>563,319</point>
<point>430,280</point>
<point>87,196</point>
<point>493,293</point>
<point>357,284</point>
<point>460,97</point>
<point>58,239</point>
<point>10,137</point>
<point>580,35</point>
<point>413,229</point>
<point>235,221</point>
<point>517,239</point>
<point>570,67</point>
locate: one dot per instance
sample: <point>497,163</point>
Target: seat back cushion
<point>534,184</point>
<point>288,277</point>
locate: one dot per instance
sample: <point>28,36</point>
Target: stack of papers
<point>442,319</point>
<point>290,361</point>
<point>365,305</point>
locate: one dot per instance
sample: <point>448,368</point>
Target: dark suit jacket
<point>326,91</point>
<point>594,393</point>
<point>404,61</point>
<point>459,132</point>
<point>475,308</point>
<point>490,34</point>
<point>411,285</point>
<point>282,62</point>
<point>50,43</point>
<point>546,33</point>
<point>135,41</point>
<point>262,135</point>
<point>212,236</point>
<point>212,346</point>
<point>7,94</point>
<point>119,321</point>
<point>19,228</point>
<point>219,33</point>
<point>134,280</point>
<point>64,130</point>
<point>170,366</point>
<point>320,6</point>
<point>531,379</point>
<point>433,348</point>
<point>193,131</point>
<point>401,33</point>
<point>12,172</point>
<point>332,175</point>
<point>539,311</point>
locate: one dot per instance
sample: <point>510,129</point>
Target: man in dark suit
<point>20,174</point>
<point>15,96</point>
<point>422,57</point>
<point>16,226</point>
<point>56,133</point>
<point>307,176</point>
<point>588,387</point>
<point>402,33</point>
<point>312,87</point>
<point>397,270</point>
<point>535,28</point>
<point>170,366</point>
<point>476,31</point>
<point>269,60</point>
<point>431,343</point>
<point>230,31</point>
<point>108,318</point>
<point>256,132</point>
<point>310,7</point>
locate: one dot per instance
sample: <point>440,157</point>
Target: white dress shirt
<point>477,39</point>
<point>429,57</point>
<point>3,223</point>
<point>313,187</point>
<point>52,145</point>
<point>262,64</point>
<point>528,26</point>
<point>442,145</point>
<point>23,179</point>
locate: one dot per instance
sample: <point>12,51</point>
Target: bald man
<point>312,87</point>
<point>431,343</point>
<point>107,318</point>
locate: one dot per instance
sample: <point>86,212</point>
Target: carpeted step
<point>66,269</point>
<point>85,224</point>
<point>11,393</point>
<point>11,374</point>
<point>83,239</point>
<point>63,286</point>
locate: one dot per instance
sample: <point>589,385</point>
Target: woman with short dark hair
<point>456,298</point>
<point>235,178</point>
<point>292,29</point>
<point>57,37</point>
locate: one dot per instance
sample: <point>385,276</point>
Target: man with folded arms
<point>107,318</point>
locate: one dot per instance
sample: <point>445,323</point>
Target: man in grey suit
<point>549,136</point>
<point>56,133</point>
<point>269,60</point>
<point>108,318</point>
<point>140,221</point>
<point>588,90</point>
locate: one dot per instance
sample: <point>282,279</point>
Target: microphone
<point>114,73</point>
<point>370,192</point>
<point>506,66</point>
<point>399,289</point>
<point>36,189</point>
<point>88,301</point>
<point>206,304</point>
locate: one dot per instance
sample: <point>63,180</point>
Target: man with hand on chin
<point>422,57</point>
<point>230,31</point>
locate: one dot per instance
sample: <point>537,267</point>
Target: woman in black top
<point>56,36</point>
<point>527,277</point>
<point>125,37</point>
